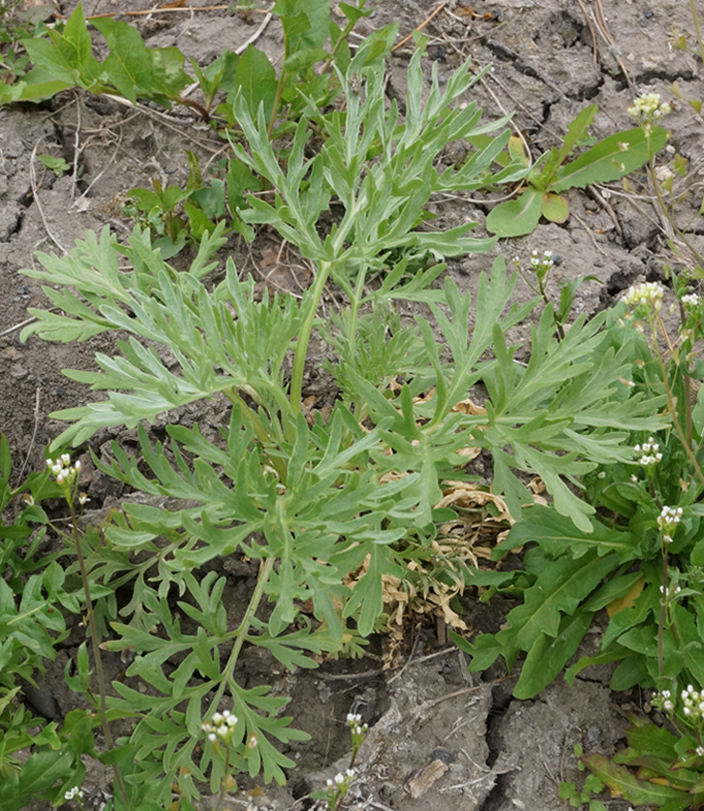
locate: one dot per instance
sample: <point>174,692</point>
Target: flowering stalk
<point>646,109</point>
<point>338,786</point>
<point>542,266</point>
<point>221,731</point>
<point>690,719</point>
<point>66,476</point>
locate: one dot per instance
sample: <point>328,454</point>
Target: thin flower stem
<point>661,620</point>
<point>96,650</point>
<point>244,626</point>
<point>223,785</point>
<point>672,406</point>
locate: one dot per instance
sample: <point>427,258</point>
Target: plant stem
<point>661,621</point>
<point>283,76</point>
<point>299,361</point>
<point>223,787</point>
<point>241,633</point>
<point>672,406</point>
<point>697,28</point>
<point>96,650</point>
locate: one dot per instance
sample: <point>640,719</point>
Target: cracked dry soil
<point>440,739</point>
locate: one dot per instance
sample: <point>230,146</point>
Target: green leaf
<point>555,207</point>
<point>559,588</point>
<point>57,165</point>
<point>129,64</point>
<point>558,535</point>
<point>43,769</point>
<point>611,158</point>
<point>577,130</point>
<point>549,655</point>
<point>5,458</point>
<point>514,218</point>
<point>255,79</point>
<point>622,783</point>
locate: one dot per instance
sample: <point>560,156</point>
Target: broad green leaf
<point>560,588</point>
<point>622,783</point>
<point>43,769</point>
<point>558,535</point>
<point>515,218</point>
<point>555,207</point>
<point>611,158</point>
<point>255,78</point>
<point>168,75</point>
<point>129,65</point>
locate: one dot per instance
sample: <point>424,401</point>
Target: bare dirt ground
<point>550,58</point>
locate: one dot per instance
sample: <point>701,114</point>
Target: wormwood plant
<point>319,503</point>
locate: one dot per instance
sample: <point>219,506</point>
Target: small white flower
<point>690,300</point>
<point>700,751</point>
<point>217,718</point>
<point>647,294</point>
<point>353,718</point>
<point>668,705</point>
<point>212,737</point>
<point>66,459</point>
<point>222,730</point>
<point>339,779</point>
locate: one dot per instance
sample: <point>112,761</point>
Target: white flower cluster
<point>544,262</point>
<point>667,521</point>
<point>62,469</point>
<point>73,792</point>
<point>222,727</point>
<point>663,699</point>
<point>690,300</point>
<point>670,591</point>
<point>693,702</point>
<point>342,781</point>
<point>647,294</point>
<point>648,107</point>
<point>650,453</point>
<point>355,723</point>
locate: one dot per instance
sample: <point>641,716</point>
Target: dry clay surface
<point>439,739</point>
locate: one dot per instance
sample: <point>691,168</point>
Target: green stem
<point>283,76</point>
<point>223,786</point>
<point>299,360</point>
<point>672,408</point>
<point>355,305</point>
<point>244,626</point>
<point>661,621</point>
<point>96,650</point>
